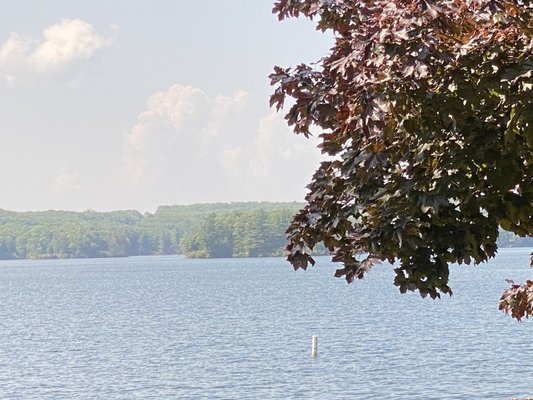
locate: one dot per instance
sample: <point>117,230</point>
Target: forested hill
<point>203,230</point>
<point>254,229</point>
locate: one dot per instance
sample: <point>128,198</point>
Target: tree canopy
<point>425,112</point>
<point>240,233</point>
<point>253,229</point>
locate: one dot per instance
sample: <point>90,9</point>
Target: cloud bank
<point>190,146</point>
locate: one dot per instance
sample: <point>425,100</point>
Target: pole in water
<point>314,346</point>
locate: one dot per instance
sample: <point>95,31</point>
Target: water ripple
<point>170,328</point>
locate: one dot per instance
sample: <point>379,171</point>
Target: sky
<point>130,104</point>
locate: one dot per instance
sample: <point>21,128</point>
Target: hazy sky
<point>129,104</point>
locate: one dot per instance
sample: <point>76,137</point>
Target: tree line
<point>201,230</point>
<point>254,229</point>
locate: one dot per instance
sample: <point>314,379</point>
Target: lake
<point>173,328</point>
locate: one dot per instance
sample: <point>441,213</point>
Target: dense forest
<point>202,230</point>
<point>254,229</point>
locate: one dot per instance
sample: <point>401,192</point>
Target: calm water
<point>170,328</point>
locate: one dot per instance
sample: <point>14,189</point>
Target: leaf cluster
<point>426,116</point>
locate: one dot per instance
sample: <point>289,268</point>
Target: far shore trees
<point>248,229</point>
<point>426,115</point>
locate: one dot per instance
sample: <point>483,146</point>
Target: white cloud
<point>267,124</point>
<point>189,146</point>
<point>179,108</point>
<point>14,49</point>
<point>220,110</point>
<point>67,41</point>
<point>62,45</point>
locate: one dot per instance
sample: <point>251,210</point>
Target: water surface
<point>172,328</point>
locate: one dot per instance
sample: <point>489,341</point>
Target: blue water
<point>171,328</point>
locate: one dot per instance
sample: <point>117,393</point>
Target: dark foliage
<point>426,114</point>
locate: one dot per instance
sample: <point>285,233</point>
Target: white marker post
<point>314,346</point>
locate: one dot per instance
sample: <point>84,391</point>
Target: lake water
<point>172,328</point>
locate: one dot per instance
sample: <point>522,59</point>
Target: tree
<point>425,109</point>
<point>213,239</point>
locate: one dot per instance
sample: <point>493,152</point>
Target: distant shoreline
<point>182,256</point>
<point>218,230</point>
